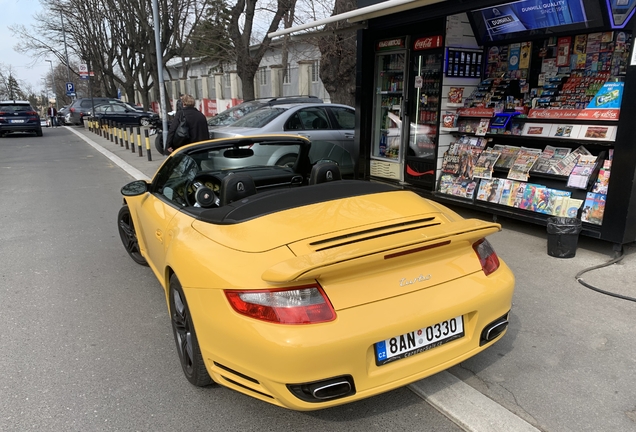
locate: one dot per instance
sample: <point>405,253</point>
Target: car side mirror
<point>135,188</point>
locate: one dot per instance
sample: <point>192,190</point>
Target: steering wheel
<point>203,191</point>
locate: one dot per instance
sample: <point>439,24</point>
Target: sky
<point>24,67</point>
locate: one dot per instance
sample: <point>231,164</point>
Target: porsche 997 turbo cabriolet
<point>304,289</point>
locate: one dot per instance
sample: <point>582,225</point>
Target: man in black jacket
<point>195,120</point>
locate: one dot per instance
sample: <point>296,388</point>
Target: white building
<point>217,87</point>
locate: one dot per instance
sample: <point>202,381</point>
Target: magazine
<point>541,199</point>
<point>522,165</point>
<point>445,183</point>
<point>490,190</point>
<point>582,171</point>
<point>485,163</point>
<point>530,191</point>
<point>570,207</point>
<point>482,127</point>
<point>508,156</point>
<point>549,156</point>
<point>516,193</point>
<point>484,189</point>
<point>593,208</point>
<point>450,163</point>
<point>555,201</point>
<point>565,166</point>
<point>602,181</point>
<point>506,189</point>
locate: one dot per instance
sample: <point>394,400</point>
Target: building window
<point>262,76</point>
<point>228,82</point>
<point>287,77</point>
<point>315,71</point>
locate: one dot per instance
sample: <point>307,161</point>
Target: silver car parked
<point>330,127</point>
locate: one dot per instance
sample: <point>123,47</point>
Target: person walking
<point>180,102</point>
<point>195,121</point>
<point>51,112</point>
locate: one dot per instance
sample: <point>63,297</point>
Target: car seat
<point>294,123</point>
<point>320,123</point>
<point>324,172</point>
<point>235,187</point>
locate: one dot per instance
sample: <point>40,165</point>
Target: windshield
<point>231,115</point>
<point>15,108</point>
<point>260,118</point>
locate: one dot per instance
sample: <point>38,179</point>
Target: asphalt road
<point>86,343</point>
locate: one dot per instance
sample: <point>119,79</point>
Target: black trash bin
<point>563,236</point>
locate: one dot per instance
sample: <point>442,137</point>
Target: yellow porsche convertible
<point>292,284</point>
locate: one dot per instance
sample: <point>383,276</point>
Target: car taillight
<point>31,113</point>
<point>299,305</point>
<point>487,256</point>
<point>72,109</point>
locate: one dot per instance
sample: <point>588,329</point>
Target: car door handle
<point>305,135</point>
<point>348,135</point>
<point>159,236</point>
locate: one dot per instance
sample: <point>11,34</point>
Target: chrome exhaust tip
<point>331,391</point>
<point>324,390</point>
<point>493,330</point>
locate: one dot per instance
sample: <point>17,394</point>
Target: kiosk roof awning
<point>387,7</point>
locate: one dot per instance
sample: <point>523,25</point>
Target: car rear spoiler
<point>368,250</point>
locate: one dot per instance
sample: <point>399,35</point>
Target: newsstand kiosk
<point>519,109</point>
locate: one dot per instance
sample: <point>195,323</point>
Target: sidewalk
<point>567,361</point>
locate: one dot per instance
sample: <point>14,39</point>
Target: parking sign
<point>70,89</point>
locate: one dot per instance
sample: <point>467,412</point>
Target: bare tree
<point>338,56</point>
<point>115,37</point>
<point>249,55</point>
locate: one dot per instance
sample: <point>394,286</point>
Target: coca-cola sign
<point>427,43</point>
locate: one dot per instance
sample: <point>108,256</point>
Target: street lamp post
<point>53,82</point>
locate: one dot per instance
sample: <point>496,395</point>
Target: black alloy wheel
<point>185,337</point>
<point>128,235</point>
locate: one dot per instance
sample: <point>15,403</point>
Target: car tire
<point>287,161</point>
<point>185,337</point>
<point>159,144</point>
<point>144,121</point>
<point>38,132</point>
<point>128,236</point>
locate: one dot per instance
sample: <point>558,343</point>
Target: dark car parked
<point>82,107</point>
<point>124,114</point>
<point>19,116</point>
<point>61,114</point>
<point>229,116</point>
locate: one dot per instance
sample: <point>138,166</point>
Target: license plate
<point>17,121</point>
<point>418,341</point>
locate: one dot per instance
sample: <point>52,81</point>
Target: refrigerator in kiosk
<point>387,153</point>
<point>424,111</point>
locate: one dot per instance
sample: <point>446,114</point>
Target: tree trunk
<point>338,57</point>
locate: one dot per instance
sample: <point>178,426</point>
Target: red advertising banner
<point>427,43</point>
<point>476,112</point>
<point>574,114</point>
<point>208,107</point>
